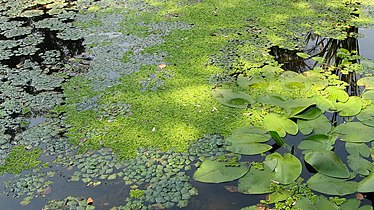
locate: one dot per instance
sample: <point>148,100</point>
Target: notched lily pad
<point>331,186</point>
<point>280,124</point>
<point>327,163</point>
<point>232,98</point>
<point>217,172</point>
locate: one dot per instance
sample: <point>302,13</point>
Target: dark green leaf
<point>256,181</point>
<point>217,172</point>
<point>331,186</point>
<point>327,163</point>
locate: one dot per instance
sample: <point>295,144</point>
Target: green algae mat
<point>144,91</point>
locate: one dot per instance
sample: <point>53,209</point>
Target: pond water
<point>113,192</point>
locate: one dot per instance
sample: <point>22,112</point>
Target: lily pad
<point>275,100</point>
<point>249,135</point>
<point>331,186</point>
<point>367,184</point>
<point>248,148</point>
<point>280,124</point>
<point>360,165</point>
<point>256,181</point>
<point>309,114</point>
<point>367,82</point>
<point>350,204</point>
<point>319,125</point>
<point>337,94</point>
<point>232,98</point>
<point>245,82</point>
<point>366,116</point>
<point>327,163</point>
<point>288,168</point>
<point>297,106</point>
<point>369,95</point>
<point>318,142</point>
<point>349,108</point>
<point>358,149</point>
<point>217,172</point>
<point>323,103</point>
<point>349,132</point>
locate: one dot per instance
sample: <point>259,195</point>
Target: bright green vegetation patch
<point>20,159</point>
<point>171,105</point>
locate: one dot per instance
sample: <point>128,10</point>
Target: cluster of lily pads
<point>298,106</point>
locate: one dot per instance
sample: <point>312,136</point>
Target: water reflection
<point>328,49</point>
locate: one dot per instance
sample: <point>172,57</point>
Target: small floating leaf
<point>367,184</point>
<point>358,149</point>
<point>248,148</point>
<point>245,82</point>
<point>350,108</point>
<point>232,98</point>
<point>309,114</point>
<point>256,181</point>
<point>360,165</point>
<point>368,82</point>
<point>318,142</point>
<point>349,132</point>
<point>337,94</point>
<point>369,95</point>
<point>320,125</point>
<point>327,163</point>
<point>280,124</point>
<point>350,204</point>
<point>331,186</point>
<point>366,116</point>
<point>217,172</point>
<point>287,169</point>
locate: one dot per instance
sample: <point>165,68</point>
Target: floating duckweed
<point>20,159</point>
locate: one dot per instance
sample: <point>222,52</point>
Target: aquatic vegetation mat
<point>143,91</point>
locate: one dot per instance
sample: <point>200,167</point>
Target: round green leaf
<point>327,163</point>
<point>331,186</point>
<point>320,125</point>
<point>323,103</point>
<point>318,142</point>
<point>349,108</point>
<point>350,204</point>
<point>248,148</point>
<point>369,95</point>
<point>368,82</point>
<point>360,165</point>
<point>366,116</point>
<point>280,124</point>
<point>256,181</point>
<point>232,98</point>
<point>287,169</point>
<point>355,132</point>
<point>366,185</point>
<point>248,135</point>
<point>358,149</point>
<point>337,94</point>
<point>217,172</point>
